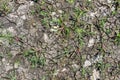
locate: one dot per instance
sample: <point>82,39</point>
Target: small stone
<point>75,66</point>
<point>77,5</point>
<point>109,1</point>
<point>60,11</point>
<point>53,30</point>
<point>91,42</point>
<point>92,14</point>
<point>63,70</point>
<point>23,17</point>
<point>3,60</point>
<point>95,75</point>
<point>53,13</point>
<point>46,39</point>
<point>112,9</point>
<point>87,63</point>
<point>58,4</point>
<point>89,0</point>
<point>55,27</point>
<point>31,3</point>
<point>16,64</point>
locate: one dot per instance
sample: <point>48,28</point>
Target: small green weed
<point>83,72</point>
<point>34,59</point>
<point>80,34</point>
<point>56,21</point>
<point>43,78</point>
<point>117,39</point>
<point>78,12</point>
<point>66,32</point>
<point>66,51</point>
<point>102,66</point>
<point>70,1</point>
<point>4,8</point>
<point>7,36</point>
<point>102,22</point>
<point>12,75</point>
<point>114,13</point>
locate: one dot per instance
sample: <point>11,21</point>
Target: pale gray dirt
<point>23,36</point>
